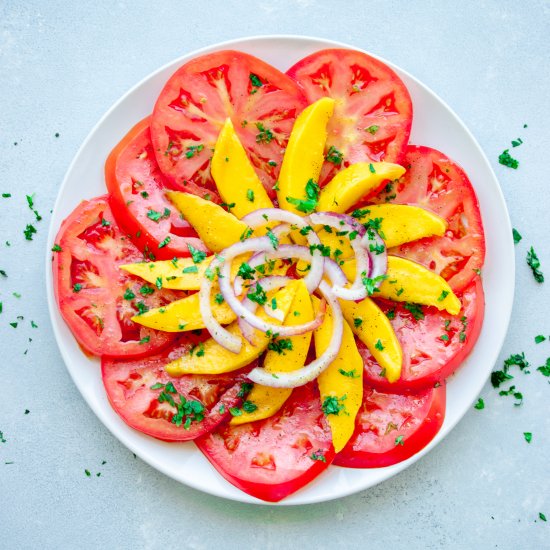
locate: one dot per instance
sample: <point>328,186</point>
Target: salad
<point>274,272</point>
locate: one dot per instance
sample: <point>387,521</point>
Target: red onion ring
<point>317,366</point>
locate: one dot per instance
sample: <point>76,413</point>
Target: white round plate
<point>436,125</point>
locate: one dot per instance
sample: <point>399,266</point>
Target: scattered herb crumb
<point>534,263</point>
<point>480,405</point>
<point>539,338</point>
<point>516,235</point>
<point>507,160</point>
<point>528,436</point>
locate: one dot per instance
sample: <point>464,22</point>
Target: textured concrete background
<point>62,64</point>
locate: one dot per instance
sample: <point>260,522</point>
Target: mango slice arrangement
<point>279,278</point>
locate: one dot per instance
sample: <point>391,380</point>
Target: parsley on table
<point>334,156</point>
<point>507,160</point>
<point>542,516</point>
<point>545,369</point>
<point>515,234</point>
<point>528,436</point>
<point>539,338</point>
<point>480,405</point>
<point>6,195</point>
<point>333,405</point>
<point>29,231</point>
<point>517,142</point>
<point>512,391</point>
<point>318,455</point>
<point>197,255</point>
<point>534,263</point>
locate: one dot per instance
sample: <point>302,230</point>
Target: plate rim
<point>302,494</point>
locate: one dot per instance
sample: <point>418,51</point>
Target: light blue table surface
<point>62,64</point>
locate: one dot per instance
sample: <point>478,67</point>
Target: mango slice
<point>304,155</point>
<point>354,182</point>
<point>235,178</point>
<point>341,384</point>
<point>183,315</point>
<point>400,223</point>
<point>411,282</point>
<point>374,329</point>
<point>212,358</point>
<point>178,274</point>
<point>217,228</point>
<point>269,400</point>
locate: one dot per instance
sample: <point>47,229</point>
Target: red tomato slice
<point>391,428</point>
<point>133,390</point>
<point>373,113</point>
<point>428,356</point>
<point>136,196</point>
<point>272,458</point>
<point>195,102</point>
<point>436,183</point>
<point>90,289</point>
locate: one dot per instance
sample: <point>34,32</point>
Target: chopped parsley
<point>218,298</point>
<point>77,287</point>
<point>539,338</point>
<point>157,216</point>
<point>245,388</point>
<point>333,405</point>
<point>334,156</point>
<point>190,269</point>
<point>534,263</point>
<point>360,213</point>
<point>443,295</point>
<point>480,405</point>
<point>246,271</point>
<point>319,456</point>
<point>349,373</point>
<point>377,248</point>
<point>379,345</point>
<point>307,205</point>
<point>56,248</point>
<point>372,284</point>
<point>250,195</point>
<point>542,516</point>
<point>265,135</point>
<point>528,436</point>
<point>357,322</point>
<point>415,310</point>
<point>105,223</point>
<point>142,308</point>
<point>258,296</point>
<point>399,440</point>
<point>507,160</point>
<point>197,255</point>
<point>273,239</point>
<point>371,168</point>
<point>517,142</point>
<point>193,150</point>
<point>516,394</point>
<point>29,231</point>
<point>145,340</point>
<point>391,314</point>
<point>229,206</point>
<point>128,294</point>
<point>372,129</point>
<point>246,233</point>
<point>280,346</point>
<point>158,283</point>
<point>6,195</point>
<point>545,369</point>
<point>516,235</point>
<point>146,290</point>
<point>255,80</point>
<point>249,407</point>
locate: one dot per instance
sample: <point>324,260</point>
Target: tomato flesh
<point>272,458</point>
<point>132,389</point>
<point>433,347</point>
<point>436,183</point>
<point>373,111</point>
<point>261,101</point>
<point>391,428</point>
<point>90,288</point>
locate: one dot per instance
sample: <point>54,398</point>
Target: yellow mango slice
<point>183,315</point>
<point>179,274</point>
<point>304,155</point>
<point>411,282</point>
<point>372,327</point>
<point>235,178</point>
<point>269,400</point>
<point>212,358</point>
<point>217,228</point>
<point>401,223</point>
<point>354,182</point>
<point>341,382</point>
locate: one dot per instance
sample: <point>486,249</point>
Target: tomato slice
<point>261,101</point>
<point>433,347</point>
<point>96,299</point>
<point>436,183</point>
<point>136,196</point>
<point>138,392</point>
<point>373,112</point>
<point>391,428</point>
<point>272,458</point>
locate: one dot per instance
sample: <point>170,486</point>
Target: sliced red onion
<point>268,283</point>
<point>316,367</point>
<point>341,222</point>
<point>264,215</point>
